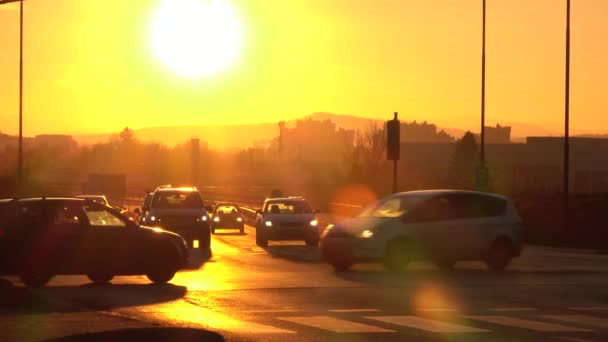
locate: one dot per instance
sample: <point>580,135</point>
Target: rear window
<point>177,200</point>
<point>227,209</point>
<point>288,207</point>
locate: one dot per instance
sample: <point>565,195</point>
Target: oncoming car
<point>180,210</point>
<point>286,219</point>
<point>227,216</point>
<point>444,226</point>
<point>43,237</point>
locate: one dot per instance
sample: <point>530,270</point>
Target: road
<point>246,293</point>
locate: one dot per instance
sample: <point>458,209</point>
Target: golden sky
<point>89,66</point>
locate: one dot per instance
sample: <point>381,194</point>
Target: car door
<point>433,226</point>
<point>110,239</point>
<point>479,217</point>
<point>63,235</point>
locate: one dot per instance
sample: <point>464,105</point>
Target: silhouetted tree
<point>464,163</point>
<point>127,135</point>
<point>369,157</point>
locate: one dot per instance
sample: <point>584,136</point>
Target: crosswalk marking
<point>581,319</point>
<point>354,310</point>
<point>526,324</point>
<point>335,325</point>
<point>426,324</point>
<point>590,308</point>
<point>512,309</point>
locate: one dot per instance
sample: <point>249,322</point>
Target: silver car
<point>444,226</point>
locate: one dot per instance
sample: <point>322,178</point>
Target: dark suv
<point>180,210</point>
<point>42,237</point>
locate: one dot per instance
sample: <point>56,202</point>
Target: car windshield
<point>227,210</point>
<point>177,200</point>
<point>391,207</point>
<point>288,207</point>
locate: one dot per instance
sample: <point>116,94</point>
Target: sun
<point>195,38</point>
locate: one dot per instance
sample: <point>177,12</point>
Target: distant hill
<point>240,136</point>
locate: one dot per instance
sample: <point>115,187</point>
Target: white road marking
<point>525,324</point>
<point>582,320</point>
<point>576,339</point>
<point>271,311</point>
<point>590,308</point>
<point>354,310</point>
<point>335,325</point>
<point>512,309</point>
<point>437,310</point>
<point>426,324</point>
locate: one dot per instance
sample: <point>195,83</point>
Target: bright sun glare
<point>195,38</point>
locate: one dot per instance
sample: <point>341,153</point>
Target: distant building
<point>56,141</point>
<point>423,133</point>
<point>496,135</point>
<point>313,141</point>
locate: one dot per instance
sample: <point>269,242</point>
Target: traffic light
<point>393,139</point>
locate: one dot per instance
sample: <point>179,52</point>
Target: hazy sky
<point>89,66</point>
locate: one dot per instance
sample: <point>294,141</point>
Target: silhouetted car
<point>180,210</point>
<point>227,216</point>
<point>441,225</point>
<point>286,219</point>
<point>42,237</point>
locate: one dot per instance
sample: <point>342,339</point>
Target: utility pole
<point>20,153</point>
<point>566,184</point>
<point>482,172</point>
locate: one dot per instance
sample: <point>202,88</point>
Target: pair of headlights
<point>365,234</point>
<point>312,223</point>
<point>217,219</point>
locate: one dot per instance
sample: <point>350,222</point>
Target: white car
<point>444,226</point>
<point>288,218</point>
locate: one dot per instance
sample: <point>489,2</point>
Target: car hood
<point>159,231</point>
<point>358,224</point>
<point>177,212</point>
<point>288,217</point>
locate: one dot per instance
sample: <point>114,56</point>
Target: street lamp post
<point>20,157</point>
<point>482,171</point>
<point>566,184</point>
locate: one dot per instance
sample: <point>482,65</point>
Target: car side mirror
<point>137,211</point>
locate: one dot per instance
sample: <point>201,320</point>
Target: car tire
<point>445,264</point>
<point>499,255</point>
<point>312,242</point>
<point>397,256</point>
<point>35,279</point>
<point>260,238</point>
<point>212,230</point>
<point>242,230</point>
<point>165,271</point>
<point>100,278</point>
<point>341,265</point>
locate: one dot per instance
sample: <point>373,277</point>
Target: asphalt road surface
<point>246,293</point>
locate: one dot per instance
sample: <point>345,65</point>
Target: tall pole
<point>567,119</point>
<point>20,162</point>
<point>482,151</point>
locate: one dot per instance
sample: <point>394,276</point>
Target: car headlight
<point>314,223</point>
<point>238,219</point>
<point>268,224</point>
<point>216,219</point>
<point>366,234</point>
<point>152,218</point>
<point>202,218</point>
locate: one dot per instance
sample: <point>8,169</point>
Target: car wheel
<point>500,255</point>
<point>312,242</point>
<point>242,230</point>
<point>445,264</point>
<point>165,270</point>
<point>260,238</point>
<point>35,279</point>
<point>341,265</point>
<point>212,230</point>
<point>396,256</point>
<point>100,277</point>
